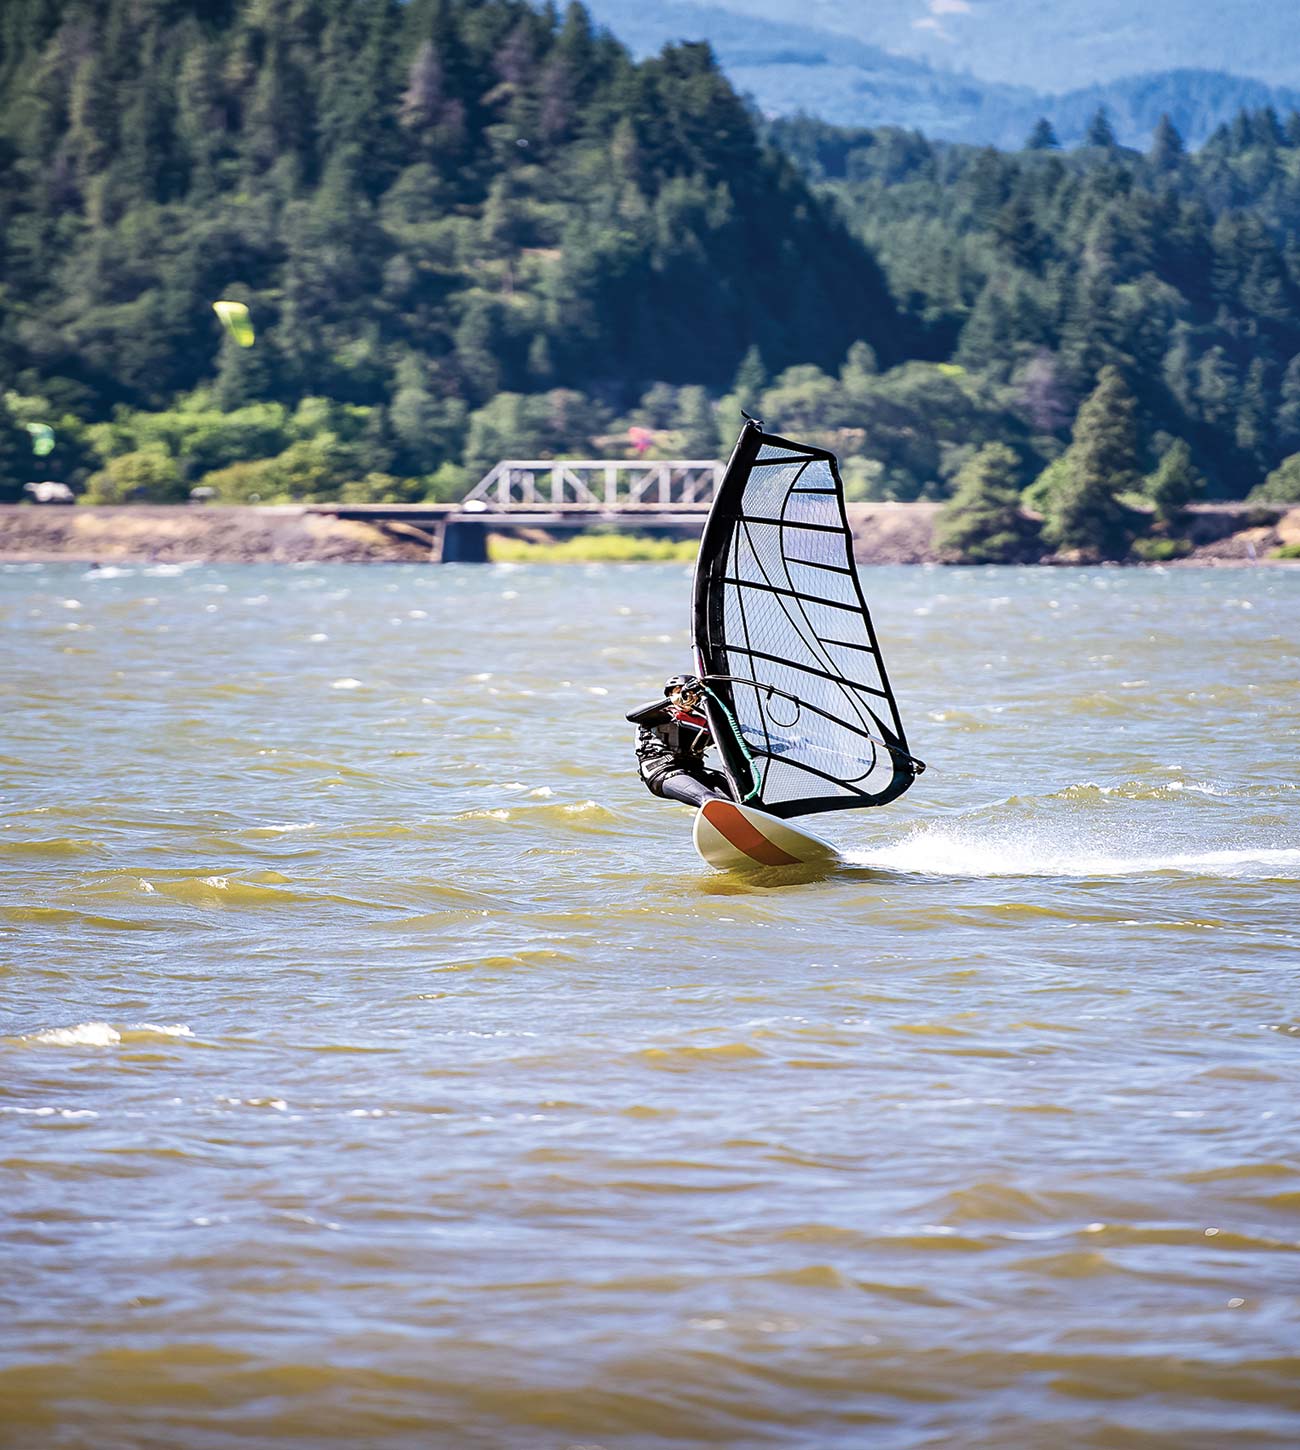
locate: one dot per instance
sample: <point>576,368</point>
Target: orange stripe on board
<point>728,821</point>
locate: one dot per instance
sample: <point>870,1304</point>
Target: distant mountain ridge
<point>788,67</point>
<point>1055,45</point>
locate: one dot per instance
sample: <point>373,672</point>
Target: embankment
<point>143,533</point>
<point>884,533</point>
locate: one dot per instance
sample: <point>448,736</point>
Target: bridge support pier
<point>463,544</point>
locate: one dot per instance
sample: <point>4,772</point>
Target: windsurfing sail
<point>798,700</point>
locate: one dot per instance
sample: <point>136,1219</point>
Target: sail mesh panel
<point>792,642</point>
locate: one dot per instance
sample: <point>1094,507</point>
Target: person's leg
<point>679,786</point>
<point>717,783</point>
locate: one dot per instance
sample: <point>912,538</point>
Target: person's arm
<point>655,713</point>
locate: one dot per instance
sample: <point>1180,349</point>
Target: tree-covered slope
<point>431,202</point>
<point>1036,269</point>
<point>468,231</point>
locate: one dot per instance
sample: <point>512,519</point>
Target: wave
<point>102,1034</point>
<point>52,847</point>
<point>582,815</point>
<point>1138,790</point>
<point>1023,849</point>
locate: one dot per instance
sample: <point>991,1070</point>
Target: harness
<point>669,739</point>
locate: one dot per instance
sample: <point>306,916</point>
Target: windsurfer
<point>672,736</point>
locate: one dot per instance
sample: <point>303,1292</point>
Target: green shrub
<point>145,476</point>
<point>1160,551</point>
<point>449,483</point>
<point>380,488</point>
<point>592,548</point>
<point>1039,494</point>
<point>1282,485</point>
<point>243,482</point>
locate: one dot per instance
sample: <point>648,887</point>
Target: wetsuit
<point>670,746</point>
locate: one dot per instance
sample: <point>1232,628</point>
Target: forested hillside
<point>1032,271</point>
<point>425,206</point>
<point>473,229</point>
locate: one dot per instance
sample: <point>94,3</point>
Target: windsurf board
<point>733,837</point>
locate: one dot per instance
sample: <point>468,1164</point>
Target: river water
<point>379,1066</point>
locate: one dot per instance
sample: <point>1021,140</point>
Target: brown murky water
<point>379,1067</point>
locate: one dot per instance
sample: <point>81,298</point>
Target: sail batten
<point>792,594</point>
<point>808,669</point>
<point>792,523</point>
<point>799,702</point>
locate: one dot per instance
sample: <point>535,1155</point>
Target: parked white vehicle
<point>49,491</point>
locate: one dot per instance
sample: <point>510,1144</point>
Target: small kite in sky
<point>237,322</point>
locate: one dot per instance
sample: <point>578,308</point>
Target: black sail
<point>798,699</point>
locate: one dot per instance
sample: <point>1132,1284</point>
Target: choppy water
<point>379,1067</point>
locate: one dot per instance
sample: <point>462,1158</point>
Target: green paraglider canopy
<point>42,438</point>
<point>237,322</point>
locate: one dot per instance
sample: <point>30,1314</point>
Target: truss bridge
<point>598,485</point>
<point>666,496</point>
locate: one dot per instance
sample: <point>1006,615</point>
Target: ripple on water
<point>359,1092</point>
<point>100,1034</point>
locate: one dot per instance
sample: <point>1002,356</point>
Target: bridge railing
<point>599,483</point>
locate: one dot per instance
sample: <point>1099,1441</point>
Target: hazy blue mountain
<point>789,66</point>
<point>1055,45</point>
<point>1197,101</point>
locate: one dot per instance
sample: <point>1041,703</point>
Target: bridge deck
<point>560,516</point>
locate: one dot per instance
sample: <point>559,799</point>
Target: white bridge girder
<point>598,483</point>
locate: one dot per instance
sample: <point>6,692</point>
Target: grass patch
<point>1156,551</point>
<point>1287,551</point>
<point>593,548</point>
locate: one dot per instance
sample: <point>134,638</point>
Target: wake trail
<point>974,851</point>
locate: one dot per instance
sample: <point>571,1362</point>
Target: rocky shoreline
<point>884,533</point>
<point>178,534</point>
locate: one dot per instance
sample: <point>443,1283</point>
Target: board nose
<point>729,821</point>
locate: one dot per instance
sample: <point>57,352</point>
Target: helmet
<point>685,690</point>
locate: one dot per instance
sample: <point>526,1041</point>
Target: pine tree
<point>477,359</point>
<point>1014,231</point>
<point>698,423</point>
<point>1100,131</point>
<point>1166,145</point>
<point>541,370</point>
<point>1251,432</point>
<point>1282,485</point>
<point>1085,515</point>
<point>241,374</point>
<point>982,523</point>
<point>412,417</point>
<point>750,380</point>
<point>1174,484</point>
<point>860,371</point>
<point>1054,479</point>
<point>202,120</point>
<point>1288,411</point>
<point>15,457</point>
<point>1267,129</point>
<point>1042,137</point>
